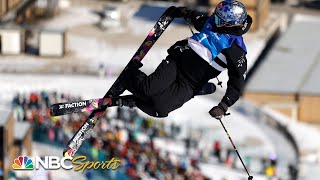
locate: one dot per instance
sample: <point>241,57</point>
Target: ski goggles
<point>220,22</point>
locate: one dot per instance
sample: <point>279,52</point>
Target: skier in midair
<point>192,62</point>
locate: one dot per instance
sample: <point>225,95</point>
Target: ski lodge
<point>287,79</point>
<point>15,140</point>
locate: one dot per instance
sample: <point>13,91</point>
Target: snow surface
<point>218,172</point>
<point>307,138</point>
<point>305,18</point>
<point>67,19</point>
<point>114,57</point>
<point>19,63</point>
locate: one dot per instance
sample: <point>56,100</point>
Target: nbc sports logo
<point>23,163</point>
<point>55,162</point>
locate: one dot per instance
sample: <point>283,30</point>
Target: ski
<point>115,90</point>
<point>60,109</point>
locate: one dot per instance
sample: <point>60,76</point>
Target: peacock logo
<point>23,163</point>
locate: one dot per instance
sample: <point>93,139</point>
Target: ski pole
<point>234,147</point>
<point>189,25</point>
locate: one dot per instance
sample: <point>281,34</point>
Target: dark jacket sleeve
<point>197,19</point>
<point>237,70</point>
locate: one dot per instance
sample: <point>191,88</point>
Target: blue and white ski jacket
<point>209,45</point>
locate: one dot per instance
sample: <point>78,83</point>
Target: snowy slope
<point>218,172</point>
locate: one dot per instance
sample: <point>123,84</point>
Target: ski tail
<point>60,109</point>
<point>84,131</point>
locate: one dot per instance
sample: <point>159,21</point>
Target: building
<point>22,139</point>
<point>288,78</point>
<point>15,140</point>
<point>6,141</point>
<point>18,35</point>
<point>11,40</point>
<point>7,5</point>
<point>26,11</point>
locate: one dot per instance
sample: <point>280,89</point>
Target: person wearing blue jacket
<point>192,62</point>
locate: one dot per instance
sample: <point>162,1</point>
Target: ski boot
<point>127,101</point>
<point>208,88</point>
<point>119,87</point>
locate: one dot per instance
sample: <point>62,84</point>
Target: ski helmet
<point>230,13</point>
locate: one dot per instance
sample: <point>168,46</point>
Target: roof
<point>21,129</point>
<point>312,84</point>
<point>290,63</point>
<point>4,116</point>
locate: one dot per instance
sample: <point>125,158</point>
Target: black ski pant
<point>162,91</point>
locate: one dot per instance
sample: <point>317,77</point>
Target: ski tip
<point>68,152</point>
<point>54,118</point>
<point>171,8</point>
<point>53,110</point>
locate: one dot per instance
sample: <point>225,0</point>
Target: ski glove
<point>182,12</point>
<point>219,111</point>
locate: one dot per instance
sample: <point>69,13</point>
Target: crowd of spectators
<point>120,136</point>
<point>125,135</point>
